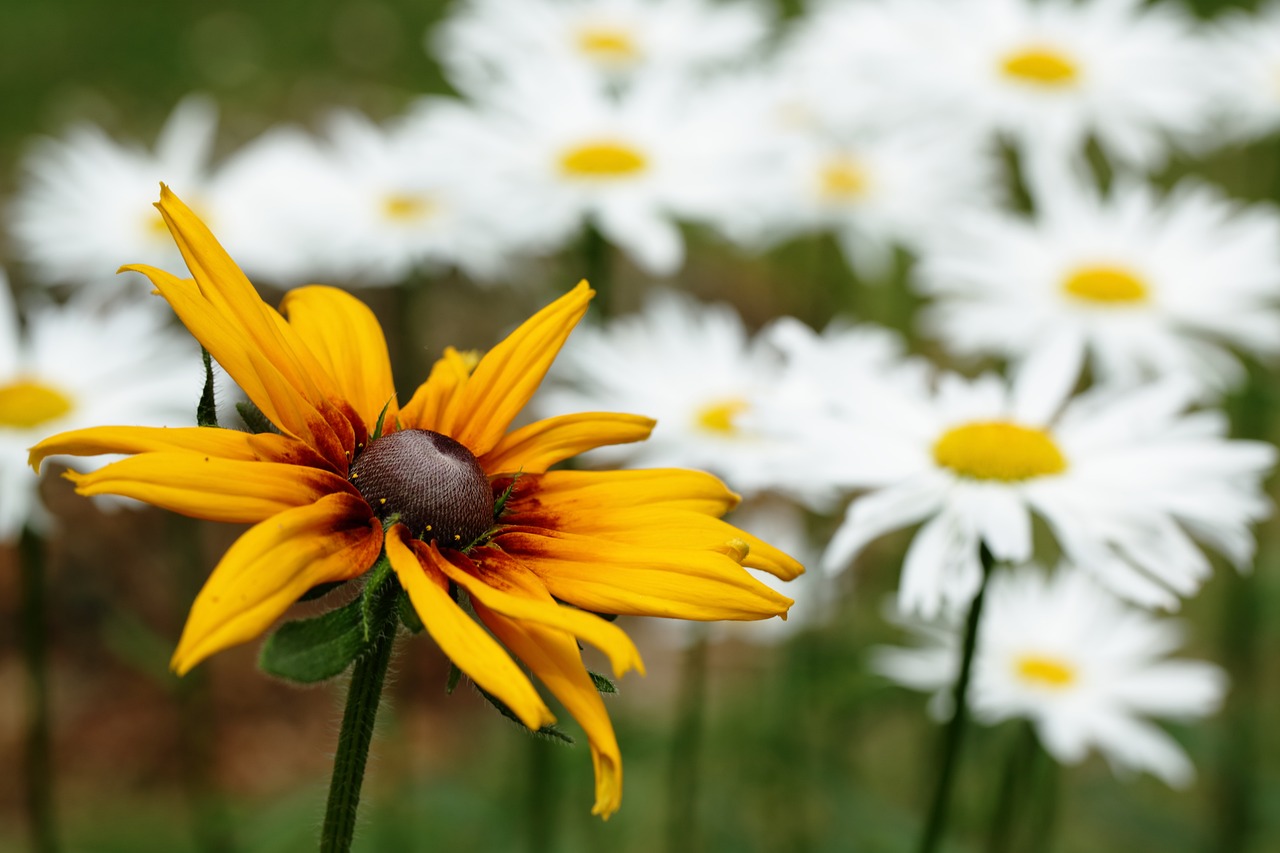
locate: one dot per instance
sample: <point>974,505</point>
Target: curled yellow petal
<point>534,448</point>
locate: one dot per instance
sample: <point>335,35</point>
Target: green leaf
<point>408,616</point>
<point>253,417</point>
<point>307,651</point>
<point>455,675</point>
<point>207,408</point>
<point>604,685</point>
<point>320,590</point>
<point>549,732</point>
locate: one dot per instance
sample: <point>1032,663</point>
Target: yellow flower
<point>463,500</point>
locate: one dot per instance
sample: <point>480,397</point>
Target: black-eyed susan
<point>458,501</point>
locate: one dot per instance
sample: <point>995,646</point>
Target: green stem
<point>363,696</point>
<point>1013,782</point>
<point>542,795</point>
<point>684,768</point>
<point>597,258</point>
<point>35,629</point>
<point>954,734</point>
<point>1046,816</point>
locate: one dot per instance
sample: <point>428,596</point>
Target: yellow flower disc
<point>608,45</point>
<point>996,450</point>
<point>400,207</point>
<point>1045,671</point>
<point>25,404</point>
<point>842,180</point>
<point>1040,66</point>
<point>603,160</point>
<point>1105,285</point>
<point>719,416</point>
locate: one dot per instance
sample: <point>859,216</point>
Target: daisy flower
<point>79,364</point>
<point>83,206</point>
<point>1082,667</point>
<point>1126,480</point>
<point>1247,69</point>
<point>440,485</point>
<point>557,143</point>
<point>484,40</point>
<point>1148,285</point>
<point>715,416</point>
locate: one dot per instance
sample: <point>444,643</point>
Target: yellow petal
<point>270,566</point>
<point>234,491</point>
<point>554,658</point>
<point>505,379</point>
<point>500,583</point>
<point>609,577</point>
<point>344,336</point>
<point>448,374</point>
<point>419,569</point>
<point>570,491</point>
<point>534,448</point>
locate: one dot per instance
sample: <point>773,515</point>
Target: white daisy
<point>1150,286</point>
<point>1084,668</point>
<point>485,40</point>
<point>1124,479</point>
<point>84,206</point>
<point>80,365</point>
<point>1247,69</point>
<point>560,145</point>
<point>709,384</point>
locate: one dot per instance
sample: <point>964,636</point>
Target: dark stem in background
<point>543,795</point>
<point>684,768</point>
<point>364,693</point>
<point>1014,781</point>
<point>35,630</point>
<point>1045,819</point>
<point>954,734</point>
<point>597,260</point>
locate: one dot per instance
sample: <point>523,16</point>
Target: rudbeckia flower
<point>457,500</point>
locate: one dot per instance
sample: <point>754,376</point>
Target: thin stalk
<point>1013,783</point>
<point>39,751</point>
<point>363,696</point>
<point>1046,816</point>
<point>953,737</point>
<point>597,260</point>
<point>684,770</point>
<point>542,795</point>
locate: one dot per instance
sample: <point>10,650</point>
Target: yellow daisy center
<point>842,180</point>
<point>610,45</point>
<point>405,207</point>
<point>998,450</point>
<point>1040,66</point>
<point>719,416</point>
<point>1105,285</point>
<point>25,404</point>
<point>604,159</point>
<point>1044,671</point>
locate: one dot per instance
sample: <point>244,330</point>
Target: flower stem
<point>686,741</point>
<point>954,734</point>
<point>39,766</point>
<point>363,696</point>
<point>597,257</point>
<point>1013,782</point>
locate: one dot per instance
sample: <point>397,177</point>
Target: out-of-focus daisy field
<point>974,303</point>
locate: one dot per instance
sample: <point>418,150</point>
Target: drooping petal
<point>270,566</point>
<point>554,658</point>
<point>534,448</point>
<point>419,569</point>
<point>344,336</point>
<point>208,441</point>
<point>234,491</point>
<point>500,583</point>
<point>506,377</point>
<point>607,577</point>
<point>448,374</point>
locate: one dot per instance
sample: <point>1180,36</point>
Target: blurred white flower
<point>488,40</point>
<point>1124,479</point>
<point>712,388</point>
<point>80,365</point>
<point>85,202</point>
<point>1150,286</point>
<point>1247,69</point>
<point>1083,668</point>
<point>565,152</point>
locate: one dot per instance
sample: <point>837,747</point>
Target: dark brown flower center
<point>431,482</point>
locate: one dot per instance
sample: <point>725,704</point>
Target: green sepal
<point>307,651</point>
<point>500,504</point>
<point>253,417</point>
<point>409,617</point>
<point>320,590</point>
<point>455,675</point>
<point>603,684</point>
<point>377,428</point>
<point>372,604</point>
<point>549,732</point>
<point>207,408</point>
